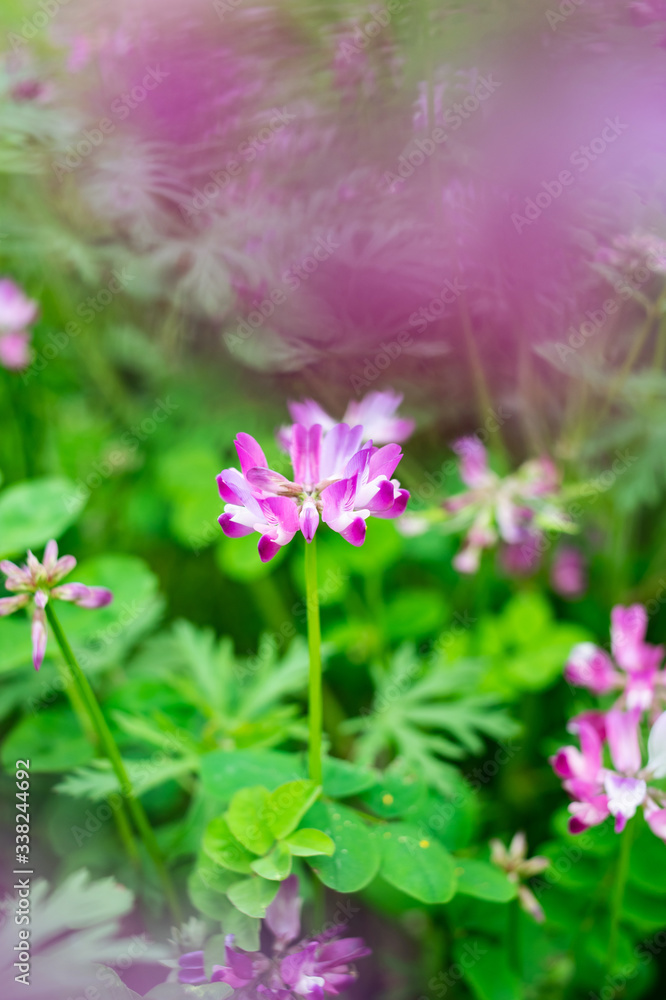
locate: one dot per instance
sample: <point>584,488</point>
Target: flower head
<point>336,478</point>
<point>376,413</point>
<point>617,790</point>
<point>38,582</point>
<point>518,868</point>
<point>312,968</point>
<point>17,312</point>
<point>511,509</point>
<point>634,667</point>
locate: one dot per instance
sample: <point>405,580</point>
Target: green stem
<point>108,745</point>
<point>314,647</point>
<point>618,891</point>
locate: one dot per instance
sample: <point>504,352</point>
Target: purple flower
<point>312,968</point>
<point>618,791</point>
<point>637,673</point>
<point>568,576</point>
<point>512,509</point>
<point>335,478</point>
<point>38,582</point>
<point>376,413</point>
<point>17,312</point>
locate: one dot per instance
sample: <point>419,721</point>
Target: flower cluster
<point>339,475</point>
<point>518,868</point>
<point>376,413</point>
<point>312,968</point>
<point>38,582</point>
<point>17,312</point>
<point>513,509</point>
<point>607,775</point>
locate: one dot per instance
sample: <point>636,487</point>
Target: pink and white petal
<point>656,764</point>
<point>308,519</point>
<point>399,504</point>
<point>337,447</point>
<point>639,689</point>
<point>385,461</point>
<point>63,566</point>
<point>50,557</point>
<point>269,482</point>
<point>17,576</point>
<point>281,513</point>
<point>622,735</point>
<point>308,413</point>
<point>16,309</point>
<point>15,350</point>
<point>233,528</point>
<point>305,454</point>
<point>624,797</point>
<point>249,451</point>
<point>267,548</point>
<point>39,637</point>
<point>590,667</point>
<point>377,497</point>
<point>8,605</point>
<point>628,628</point>
<point>467,559</point>
<point>474,470</point>
<point>82,595</point>
<point>355,531</point>
<point>338,499</point>
<point>588,813</point>
<point>656,819</point>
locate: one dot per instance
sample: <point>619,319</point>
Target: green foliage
<point>415,701</point>
<point>33,512</point>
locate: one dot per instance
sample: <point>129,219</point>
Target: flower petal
<point>8,605</point>
<point>39,637</point>
<point>657,748</point>
<point>622,735</point>
<point>283,915</point>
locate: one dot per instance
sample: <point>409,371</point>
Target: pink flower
<point>17,311</point>
<point>513,509</point>
<point>335,478</point>
<point>638,661</point>
<point>311,968</point>
<point>619,790</point>
<point>38,582</point>
<point>568,576</point>
<point>376,412</point>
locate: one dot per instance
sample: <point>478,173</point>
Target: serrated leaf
<point>306,843</point>
<point>288,804</point>
<point>252,895</point>
<point>248,816</point>
<point>355,861</point>
<point>222,847</point>
<point>276,866</point>
<point>418,866</point>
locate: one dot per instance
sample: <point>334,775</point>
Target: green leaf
<point>414,613</point>
<point>207,889</point>
<point>397,789</point>
<point>356,859</point>
<point>307,842</point>
<point>225,772</point>
<point>276,866</point>
<point>252,895</point>
<point>483,881</point>
<point>418,866</point>
<point>222,847</point>
<point>33,512</point>
<point>248,818</point>
<point>341,778</point>
<point>487,972</point>
<point>52,740</point>
<point>288,804</point>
